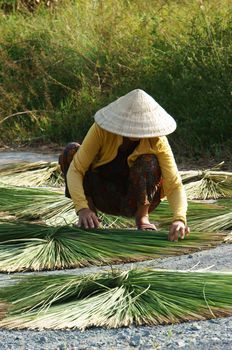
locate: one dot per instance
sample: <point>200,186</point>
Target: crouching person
<point>125,165</point>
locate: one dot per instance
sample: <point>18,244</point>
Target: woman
<point>125,165</point>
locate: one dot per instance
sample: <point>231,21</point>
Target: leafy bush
<point>57,68</point>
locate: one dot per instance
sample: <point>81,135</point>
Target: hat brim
<point>135,114</point>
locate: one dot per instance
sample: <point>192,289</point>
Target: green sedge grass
<point>53,208</point>
<point>116,298</point>
<point>25,246</point>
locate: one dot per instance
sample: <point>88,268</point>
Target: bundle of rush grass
<point>49,206</point>
<point>116,298</point>
<point>36,247</point>
<point>197,212</point>
<point>35,203</point>
<point>32,174</point>
<point>228,238</point>
<point>207,184</point>
<point>217,223</point>
<point>54,209</point>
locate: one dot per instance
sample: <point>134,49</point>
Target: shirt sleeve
<point>81,163</point>
<point>172,183</point>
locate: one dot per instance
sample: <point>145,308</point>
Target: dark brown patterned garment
<point>115,188</point>
<point>65,160</point>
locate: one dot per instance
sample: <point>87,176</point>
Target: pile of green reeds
<point>53,208</point>
<point>205,216</point>
<point>32,174</point>
<point>206,184</point>
<point>116,298</point>
<point>219,219</point>
<point>228,238</point>
<point>217,223</point>
<point>25,246</point>
<point>50,206</point>
<point>35,203</point>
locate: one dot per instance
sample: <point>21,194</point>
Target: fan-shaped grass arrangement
<point>217,223</point>
<point>197,212</point>
<point>50,206</point>
<point>32,174</point>
<point>116,298</point>
<point>221,220</point>
<point>26,246</point>
<point>34,203</point>
<point>112,299</point>
<point>54,209</point>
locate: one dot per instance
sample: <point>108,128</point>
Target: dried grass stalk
<point>32,174</point>
<point>207,184</point>
<point>228,238</point>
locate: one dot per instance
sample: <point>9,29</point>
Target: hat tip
<point>139,91</point>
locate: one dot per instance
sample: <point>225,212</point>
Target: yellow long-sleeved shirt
<point>100,147</point>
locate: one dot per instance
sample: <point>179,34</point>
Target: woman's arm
<point>81,163</point>
<point>173,189</point>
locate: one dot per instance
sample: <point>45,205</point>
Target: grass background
<point>60,64</point>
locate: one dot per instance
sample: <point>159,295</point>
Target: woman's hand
<point>88,219</point>
<point>178,228</point>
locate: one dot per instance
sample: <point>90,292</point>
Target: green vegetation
<point>59,65</point>
<point>52,208</point>
<point>116,298</point>
<point>25,246</point>
<point>9,6</point>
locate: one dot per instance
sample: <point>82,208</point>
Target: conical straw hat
<point>135,114</point>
